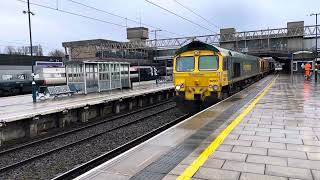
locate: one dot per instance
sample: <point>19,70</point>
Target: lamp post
<point>155,35</point>
<point>155,43</point>
<point>34,98</point>
<point>291,65</point>
<point>316,52</point>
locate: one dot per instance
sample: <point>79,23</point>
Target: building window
<point>295,66</point>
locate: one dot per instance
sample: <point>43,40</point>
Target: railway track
<point>80,128</point>
<point>5,167</point>
<point>106,156</point>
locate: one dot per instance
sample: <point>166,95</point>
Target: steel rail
<point>115,152</point>
<point>80,128</point>
<point>17,164</point>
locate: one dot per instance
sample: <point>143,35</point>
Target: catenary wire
<point>195,13</point>
<point>75,14</point>
<point>186,19</point>
<point>122,17</point>
<point>93,18</point>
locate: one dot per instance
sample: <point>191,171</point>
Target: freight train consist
<point>205,74</point>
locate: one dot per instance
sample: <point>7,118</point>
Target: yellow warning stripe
<point>196,164</point>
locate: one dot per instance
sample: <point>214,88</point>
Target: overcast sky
<point>51,27</point>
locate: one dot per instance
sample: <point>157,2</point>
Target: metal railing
<point>306,31</point>
<point>215,39</point>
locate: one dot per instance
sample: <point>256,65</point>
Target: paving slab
<point>316,174</point>
<point>313,156</point>
<point>251,176</point>
<point>250,150</point>
<point>305,148</point>
<point>267,160</point>
<point>216,174</point>
<point>302,163</point>
<point>289,172</point>
<point>254,138</point>
<point>229,156</point>
<point>287,153</point>
<point>244,167</point>
<point>270,145</point>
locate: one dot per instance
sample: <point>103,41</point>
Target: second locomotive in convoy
<point>205,73</point>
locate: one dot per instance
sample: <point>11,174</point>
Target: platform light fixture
<point>34,97</point>
<point>156,48</point>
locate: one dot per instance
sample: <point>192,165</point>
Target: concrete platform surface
<point>277,140</point>
<point>21,107</point>
<point>169,153</point>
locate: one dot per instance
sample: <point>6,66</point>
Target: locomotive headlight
<point>215,87</point>
<point>179,87</point>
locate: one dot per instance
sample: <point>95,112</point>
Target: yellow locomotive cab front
<point>205,73</point>
<point>197,75</point>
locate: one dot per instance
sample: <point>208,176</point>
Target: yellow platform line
<point>197,163</point>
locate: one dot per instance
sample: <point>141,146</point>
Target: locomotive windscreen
<point>208,62</point>
<point>185,64</point>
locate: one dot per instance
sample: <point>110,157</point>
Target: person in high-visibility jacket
<point>307,68</point>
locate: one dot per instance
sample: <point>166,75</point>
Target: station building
<point>95,49</point>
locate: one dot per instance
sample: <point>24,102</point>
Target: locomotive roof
<point>198,45</point>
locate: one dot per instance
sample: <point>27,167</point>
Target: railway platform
<point>270,130</point>
<point>21,118</point>
<point>18,107</point>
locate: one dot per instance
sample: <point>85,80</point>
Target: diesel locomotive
<point>205,73</point>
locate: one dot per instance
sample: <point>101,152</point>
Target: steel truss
<point>306,32</point>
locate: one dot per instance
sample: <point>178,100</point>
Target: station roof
<point>94,62</point>
<point>196,45</point>
<point>24,60</point>
<point>88,42</point>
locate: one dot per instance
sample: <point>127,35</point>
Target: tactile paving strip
<point>164,164</point>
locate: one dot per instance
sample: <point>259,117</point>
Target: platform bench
<point>59,90</point>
